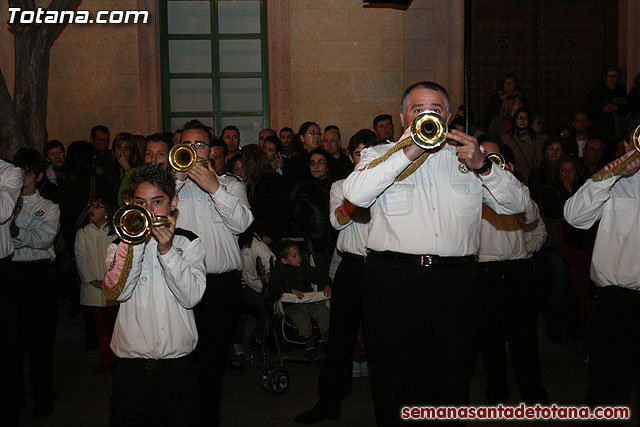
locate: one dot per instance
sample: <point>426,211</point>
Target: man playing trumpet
<point>421,304</point>
<point>611,197</point>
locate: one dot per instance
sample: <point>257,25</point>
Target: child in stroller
<point>292,274</point>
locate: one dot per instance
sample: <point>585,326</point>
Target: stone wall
<point>349,63</point>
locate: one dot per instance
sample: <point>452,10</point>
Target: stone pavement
<point>83,395</point>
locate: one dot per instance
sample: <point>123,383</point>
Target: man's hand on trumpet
<point>469,152</point>
<point>205,177</point>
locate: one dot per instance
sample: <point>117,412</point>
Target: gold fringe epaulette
<point>113,293</point>
<point>409,169</point>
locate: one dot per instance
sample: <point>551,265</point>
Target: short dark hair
<point>30,160</point>
<point>198,125</point>
<point>425,85</point>
<point>283,247</point>
<point>99,128</point>
<point>230,127</point>
<point>232,161</point>
<point>332,127</point>
<point>363,136</point>
<point>286,129</point>
<point>219,142</point>
<point>305,126</point>
<point>157,175</point>
<point>159,137</point>
<point>381,118</point>
<point>50,145</point>
<point>275,141</point>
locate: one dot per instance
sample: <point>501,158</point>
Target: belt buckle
<point>426,260</point>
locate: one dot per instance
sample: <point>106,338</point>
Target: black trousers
<point>614,362</point>
<point>510,314</point>
<point>149,392</point>
<point>334,383</point>
<point>216,318</point>
<point>38,307</point>
<point>11,353</point>
<point>422,326</point>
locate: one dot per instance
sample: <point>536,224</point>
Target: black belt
<point>426,260</point>
<point>156,364</point>
<point>352,257</point>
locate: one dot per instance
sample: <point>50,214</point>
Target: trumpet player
<point>216,209</point>
<point>158,282</point>
<point>615,346</point>
<point>421,303</point>
<point>510,312</point>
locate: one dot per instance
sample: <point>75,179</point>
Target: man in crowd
<point>54,154</point>
<point>383,127</point>
<point>217,210</point>
<point>219,152</point>
<point>264,133</point>
<point>593,154</point>
<point>580,135</point>
<point>421,306</point>
<point>231,137</point>
<point>331,143</point>
<point>615,345</point>
<point>288,144</point>
<point>103,158</point>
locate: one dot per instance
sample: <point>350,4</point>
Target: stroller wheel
<point>279,381</point>
<point>265,378</point>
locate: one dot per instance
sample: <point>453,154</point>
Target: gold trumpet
<point>182,157</point>
<point>133,223</point>
<point>617,169</point>
<point>496,158</point>
<point>429,130</point>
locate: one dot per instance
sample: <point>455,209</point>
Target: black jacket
<point>285,278</point>
<point>270,206</point>
<point>310,214</point>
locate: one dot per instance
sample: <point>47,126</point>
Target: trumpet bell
<point>636,139</point>
<point>133,223</point>
<point>496,158</point>
<point>429,130</point>
<point>182,157</point>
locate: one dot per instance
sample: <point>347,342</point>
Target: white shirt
<point>615,203</point>
<point>90,250</point>
<point>10,189</point>
<point>38,222</point>
<point>353,235</point>
<point>217,219</point>
<point>503,238</point>
<point>260,250</point>
<point>436,210</point>
<point>155,319</point>
<point>581,145</point>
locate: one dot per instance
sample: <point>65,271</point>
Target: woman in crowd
<point>310,209</point>
<point>125,156</point>
<point>503,122</point>
<point>296,169</point>
<point>267,194</point>
<point>525,144</point>
<point>236,168</point>
<point>273,149</point>
<point>547,174</point>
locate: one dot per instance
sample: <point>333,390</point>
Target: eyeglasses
<point>522,117</point>
<point>198,145</point>
<point>312,134</point>
<point>318,162</point>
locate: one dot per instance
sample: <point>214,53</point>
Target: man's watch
<point>485,167</point>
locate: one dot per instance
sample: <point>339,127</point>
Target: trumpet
<point>429,130</point>
<point>496,158</point>
<point>133,223</point>
<point>182,157</point>
<point>617,169</point>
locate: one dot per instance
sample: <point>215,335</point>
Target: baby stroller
<point>280,335</point>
